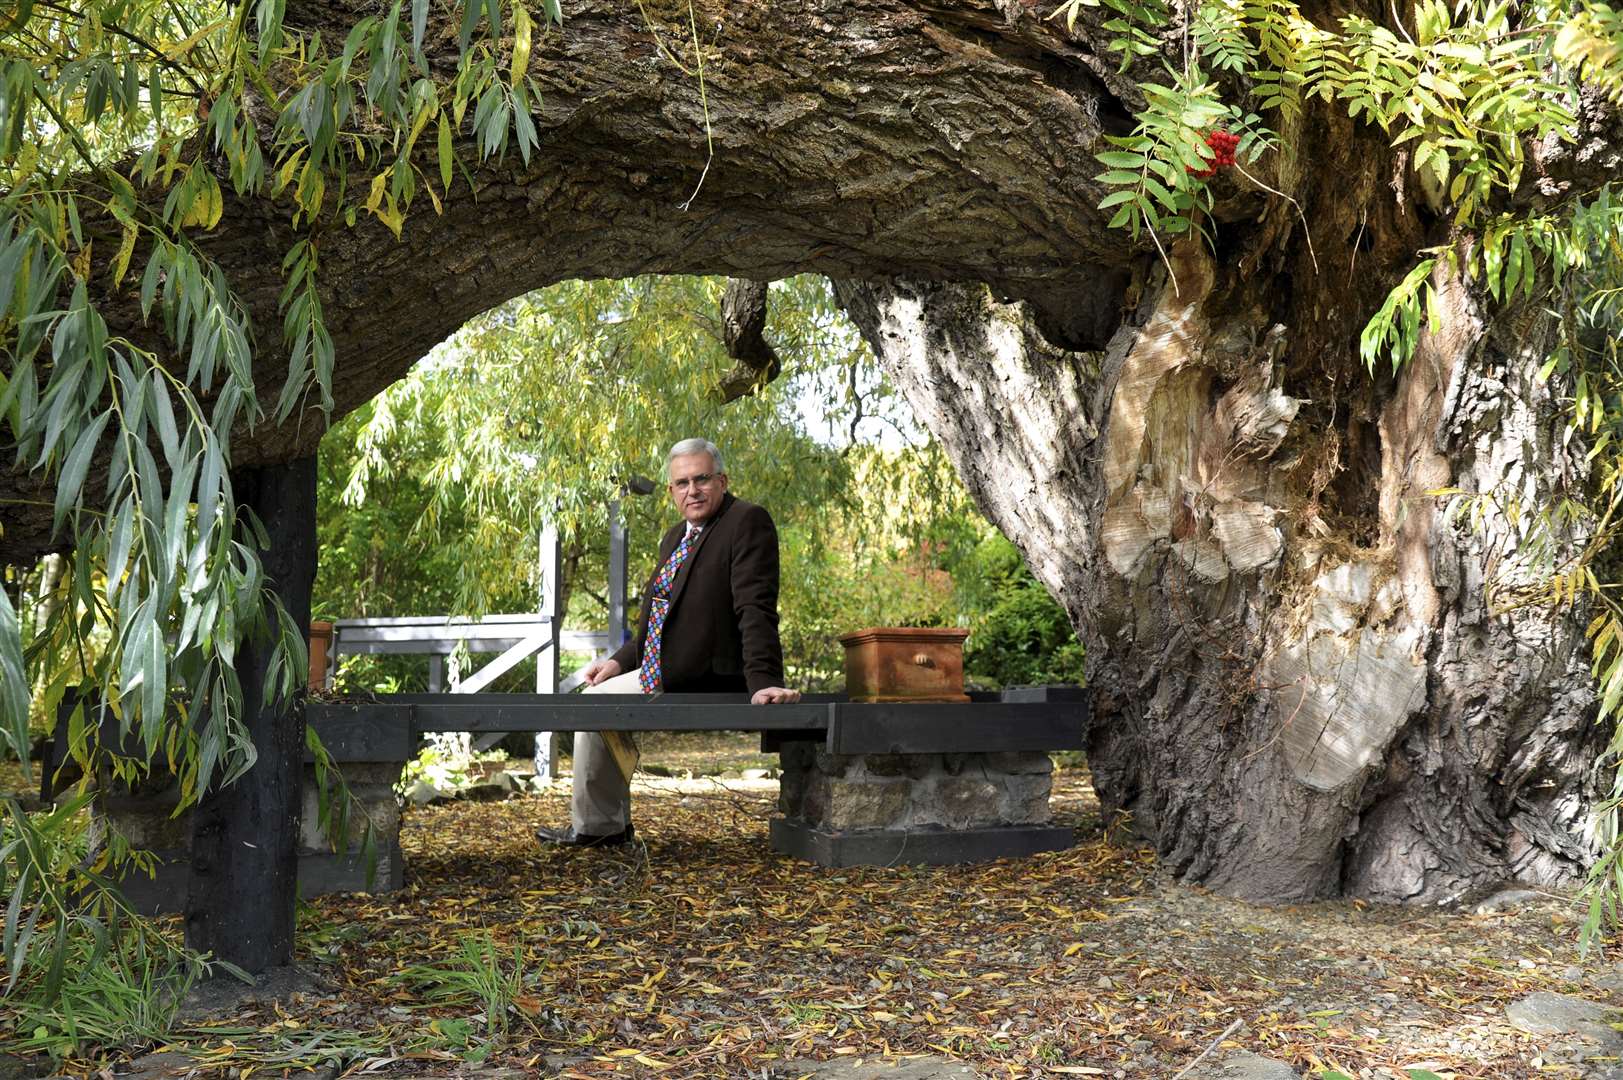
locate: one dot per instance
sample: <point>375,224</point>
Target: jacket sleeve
<point>754,580</point>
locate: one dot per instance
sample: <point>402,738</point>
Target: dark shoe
<point>570,838</point>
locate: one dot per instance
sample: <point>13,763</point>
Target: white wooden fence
<point>514,638</point>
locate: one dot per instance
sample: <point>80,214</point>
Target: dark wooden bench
<point>836,755</point>
<point>956,782</point>
<point>1018,719</point>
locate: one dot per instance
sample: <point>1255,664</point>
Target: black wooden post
<point>619,559</point>
<point>617,575</point>
<point>244,875</point>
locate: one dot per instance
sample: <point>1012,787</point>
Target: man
<point>709,625</point>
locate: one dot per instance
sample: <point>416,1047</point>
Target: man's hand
<point>775,695</point>
<point>598,670</point>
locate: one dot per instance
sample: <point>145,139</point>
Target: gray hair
<point>696,446</point>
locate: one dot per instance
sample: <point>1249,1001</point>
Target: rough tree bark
<point>1298,687</point>
<point>876,138</point>
<point>743,329</point>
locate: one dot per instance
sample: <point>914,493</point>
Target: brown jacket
<point>722,631</point>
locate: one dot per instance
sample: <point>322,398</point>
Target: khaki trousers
<point>600,803</point>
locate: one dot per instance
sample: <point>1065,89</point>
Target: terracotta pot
<point>905,663</point>
<point>320,648</point>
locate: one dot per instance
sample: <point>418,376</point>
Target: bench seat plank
<point>935,728</point>
<point>1026,718</point>
<point>599,713</point>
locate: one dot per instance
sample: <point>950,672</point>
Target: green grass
<point>476,973</point>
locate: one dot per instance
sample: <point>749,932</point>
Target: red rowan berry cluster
<point>1223,145</point>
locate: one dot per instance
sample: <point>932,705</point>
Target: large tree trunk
<point>880,138</point>
<point>1300,689</point>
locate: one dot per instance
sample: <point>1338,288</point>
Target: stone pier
<point>146,819</point>
<point>866,809</point>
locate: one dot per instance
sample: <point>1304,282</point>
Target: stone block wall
<point>371,785</point>
<point>323,870</point>
<point>146,818</point>
<point>900,792</point>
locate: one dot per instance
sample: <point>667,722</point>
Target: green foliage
<point>958,571</point>
<point>108,997</point>
<point>874,561</point>
<point>162,574</point>
<point>1591,43</point>
<point>1018,635</point>
<point>14,705</point>
<point>1395,328</point>
<point>81,968</point>
<point>1466,96</point>
<point>1471,90</point>
<point>97,105</point>
<point>1591,355</point>
<point>1515,257</point>
<point>1133,22</point>
<point>448,773</point>
<point>379,555</point>
<point>1154,166</point>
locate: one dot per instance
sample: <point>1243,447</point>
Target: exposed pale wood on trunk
<point>1342,699</point>
<point>1202,559</point>
<point>1246,534</point>
<point>1141,410</point>
<point>1281,705</point>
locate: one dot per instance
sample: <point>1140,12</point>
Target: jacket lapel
<point>693,553</point>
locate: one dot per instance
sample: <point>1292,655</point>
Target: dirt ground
<point>701,952</point>
<point>697,951</point>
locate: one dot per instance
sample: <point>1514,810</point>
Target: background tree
<point>433,493</point>
<point>543,409</point>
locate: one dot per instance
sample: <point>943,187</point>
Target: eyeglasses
<point>700,480</point>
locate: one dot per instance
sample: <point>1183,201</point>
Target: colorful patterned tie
<point>659,600</point>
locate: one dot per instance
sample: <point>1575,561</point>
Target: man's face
<point>696,486</point>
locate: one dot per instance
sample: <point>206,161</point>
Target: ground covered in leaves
<point>699,952</point>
